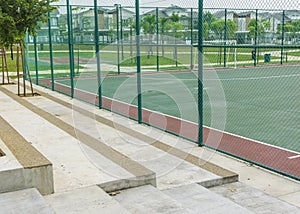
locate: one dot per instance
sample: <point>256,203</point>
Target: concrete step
<point>170,170</point>
<point>148,199</point>
<point>198,199</point>
<point>253,199</point>
<point>90,200</point>
<point>24,201</point>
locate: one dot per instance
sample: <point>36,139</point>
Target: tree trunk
<point>18,68</point>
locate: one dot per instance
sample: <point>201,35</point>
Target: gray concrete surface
<point>201,200</point>
<point>253,199</point>
<point>71,164</point>
<point>85,200</point>
<point>24,201</point>
<point>147,199</point>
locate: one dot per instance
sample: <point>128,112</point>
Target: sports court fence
<point>144,63</point>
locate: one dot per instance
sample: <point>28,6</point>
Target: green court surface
<point>258,103</point>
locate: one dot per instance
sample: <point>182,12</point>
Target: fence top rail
<point>174,6</point>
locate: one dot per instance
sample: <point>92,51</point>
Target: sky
<point>240,4</point>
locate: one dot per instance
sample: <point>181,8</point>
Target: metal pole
<point>157,40</point>
<point>118,36</point>
<point>131,40</point>
<point>121,32</point>
<point>191,63</point>
<point>18,67</point>
<point>225,37</point>
<point>27,66</point>
<point>200,73</point>
<point>51,51</point>
<point>138,61</point>
<point>97,48</point>
<point>282,38</point>
<point>2,57</point>
<point>71,48</point>
<point>36,61</point>
<point>255,37</point>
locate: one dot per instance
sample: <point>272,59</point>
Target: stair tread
<point>90,199</point>
<point>24,201</point>
<point>201,200</point>
<point>254,199</point>
<point>148,199</point>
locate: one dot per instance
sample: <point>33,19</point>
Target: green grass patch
<point>148,61</point>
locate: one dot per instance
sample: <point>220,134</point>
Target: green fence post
<point>51,51</point>
<point>157,40</point>
<point>121,32</point>
<point>282,38</point>
<point>118,36</point>
<point>191,62</point>
<point>97,49</point>
<point>200,73</point>
<point>71,48</point>
<point>138,61</point>
<point>36,61</point>
<point>131,40</point>
<point>225,38</point>
<point>255,38</point>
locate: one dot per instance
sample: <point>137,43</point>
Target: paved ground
<point>89,148</point>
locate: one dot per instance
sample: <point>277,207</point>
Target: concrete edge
<point>219,181</point>
<point>120,159</point>
<point>122,184</point>
<point>16,179</point>
<point>37,169</point>
<point>26,154</point>
<point>204,164</point>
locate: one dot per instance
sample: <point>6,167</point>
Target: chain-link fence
<point>144,63</point>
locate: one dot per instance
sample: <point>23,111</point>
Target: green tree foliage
<point>262,26</point>
<point>231,29</point>
<point>21,16</point>
<point>292,27</point>
<point>218,27</point>
<point>149,24</point>
<point>208,18</point>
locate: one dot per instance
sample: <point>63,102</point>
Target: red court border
<point>277,159</point>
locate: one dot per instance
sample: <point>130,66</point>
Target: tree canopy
<point>20,16</point>
<point>262,26</point>
<point>218,28</point>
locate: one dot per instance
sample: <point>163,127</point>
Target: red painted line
<point>260,153</point>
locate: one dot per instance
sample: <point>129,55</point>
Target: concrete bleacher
<point>99,162</point>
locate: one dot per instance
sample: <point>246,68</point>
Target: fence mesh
<point>250,76</point>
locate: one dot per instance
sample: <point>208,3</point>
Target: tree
<point>292,28</point>
<point>208,18</point>
<point>162,30</point>
<point>218,27</point>
<point>149,25</point>
<point>175,27</point>
<point>231,29</point>
<point>19,17</point>
<point>262,26</point>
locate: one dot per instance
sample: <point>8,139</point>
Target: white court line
<point>293,157</point>
<point>257,78</point>
<point>218,130</point>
